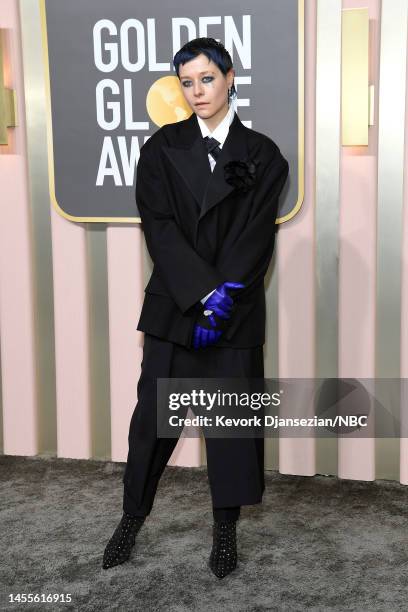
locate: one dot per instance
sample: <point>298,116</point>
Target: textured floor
<point>316,543</point>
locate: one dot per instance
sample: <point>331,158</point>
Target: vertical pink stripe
<point>126,294</point>
<point>125,297</point>
<point>404,304</point>
<point>357,229</point>
<point>72,355</point>
<point>17,331</point>
<point>296,271</point>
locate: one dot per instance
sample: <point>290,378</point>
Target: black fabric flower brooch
<point>241,174</point>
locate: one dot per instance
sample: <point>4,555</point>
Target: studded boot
<point>120,545</point>
<point>223,557</point>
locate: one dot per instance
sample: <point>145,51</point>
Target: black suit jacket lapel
<point>190,159</point>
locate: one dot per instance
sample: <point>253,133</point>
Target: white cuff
<point>207,296</point>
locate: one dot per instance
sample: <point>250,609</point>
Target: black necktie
<point>212,147</point>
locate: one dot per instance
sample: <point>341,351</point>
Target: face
<point>205,88</point>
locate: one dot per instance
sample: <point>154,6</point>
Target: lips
<point>201,103</point>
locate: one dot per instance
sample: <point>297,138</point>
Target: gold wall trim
<point>301,115</point>
<point>354,77</point>
<point>390,185</point>
<point>327,184</point>
<point>34,94</point>
<point>328,104</point>
<point>8,106</point>
<point>392,99</point>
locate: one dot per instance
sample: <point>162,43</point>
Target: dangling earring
<point>232,96</point>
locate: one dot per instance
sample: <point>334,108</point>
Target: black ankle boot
<point>120,545</point>
<point>223,558</point>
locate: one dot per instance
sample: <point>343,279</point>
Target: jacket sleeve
<point>247,259</point>
<point>186,275</point>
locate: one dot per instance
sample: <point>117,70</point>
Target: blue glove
<point>204,337</point>
<point>221,302</point>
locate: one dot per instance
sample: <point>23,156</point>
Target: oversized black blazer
<point>201,231</point>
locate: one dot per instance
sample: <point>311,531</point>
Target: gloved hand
<point>203,337</point>
<point>220,301</point>
<point>208,328</point>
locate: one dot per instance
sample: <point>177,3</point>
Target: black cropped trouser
<point>235,466</point>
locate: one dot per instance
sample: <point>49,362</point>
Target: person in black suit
<point>207,190</point>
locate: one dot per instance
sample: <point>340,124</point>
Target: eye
<point>209,79</point>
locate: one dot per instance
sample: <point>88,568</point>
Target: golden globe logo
<point>165,102</point>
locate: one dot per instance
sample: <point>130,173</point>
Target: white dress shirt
<point>220,133</point>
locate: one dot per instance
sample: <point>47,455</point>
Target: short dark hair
<point>211,48</point>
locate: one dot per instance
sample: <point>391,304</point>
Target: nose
<point>197,88</point>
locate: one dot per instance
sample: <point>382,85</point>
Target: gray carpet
<point>316,543</point>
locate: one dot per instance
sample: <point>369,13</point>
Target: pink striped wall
<point>296,270</point>
<point>404,295</point>
<point>126,292</point>
<point>357,225</point>
<point>17,313</point>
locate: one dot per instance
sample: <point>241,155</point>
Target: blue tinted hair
<point>211,48</point>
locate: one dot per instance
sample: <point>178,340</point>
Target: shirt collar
<point>220,133</point>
